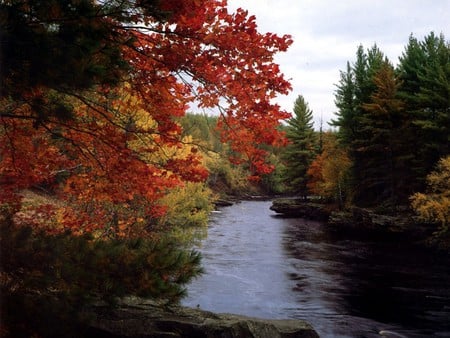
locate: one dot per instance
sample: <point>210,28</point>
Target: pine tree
<point>353,92</point>
<point>345,102</point>
<point>385,148</point>
<point>301,150</point>
<point>50,278</point>
<point>425,73</point>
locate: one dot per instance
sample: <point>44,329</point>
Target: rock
<point>223,203</point>
<point>143,318</point>
<point>368,221</point>
<point>340,219</point>
<point>294,207</point>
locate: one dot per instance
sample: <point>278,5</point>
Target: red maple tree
<point>80,134</point>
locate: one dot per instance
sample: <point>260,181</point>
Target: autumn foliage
<point>434,205</point>
<point>328,173</point>
<point>95,121</point>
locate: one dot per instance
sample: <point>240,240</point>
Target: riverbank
<point>356,220</point>
<point>136,317</point>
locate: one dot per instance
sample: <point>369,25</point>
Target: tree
<point>65,116</point>
<point>387,154</point>
<point>90,99</point>
<point>329,172</point>
<point>353,91</point>
<point>345,102</point>
<point>47,280</point>
<point>425,74</point>
<point>301,149</point>
<point>434,206</point>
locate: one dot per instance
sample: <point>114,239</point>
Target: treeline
<point>388,148</point>
<point>394,121</point>
<point>226,178</point>
<point>391,142</point>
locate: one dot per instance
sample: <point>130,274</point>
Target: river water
<point>262,265</point>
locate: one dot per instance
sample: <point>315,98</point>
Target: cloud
<point>327,33</point>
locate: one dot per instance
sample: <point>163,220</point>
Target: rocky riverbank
<point>295,207</point>
<point>135,317</point>
<point>355,220</point>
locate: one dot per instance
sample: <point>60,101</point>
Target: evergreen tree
<point>395,126</point>
<point>354,90</point>
<point>66,46</point>
<point>345,102</point>
<point>425,73</point>
<point>301,150</point>
<point>385,126</point>
<point>47,280</point>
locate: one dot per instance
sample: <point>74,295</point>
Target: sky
<point>327,33</point>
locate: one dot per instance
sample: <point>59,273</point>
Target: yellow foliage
<point>434,206</point>
<point>334,171</point>
<point>328,173</point>
<point>145,138</point>
<point>187,206</point>
<point>222,171</point>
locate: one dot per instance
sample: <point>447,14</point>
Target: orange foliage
<point>329,170</point>
<point>201,54</point>
<point>315,175</point>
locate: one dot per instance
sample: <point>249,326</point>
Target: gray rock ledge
<point>136,317</point>
<point>295,207</point>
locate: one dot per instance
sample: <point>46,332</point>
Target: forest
<point>106,172</point>
<point>389,146</point>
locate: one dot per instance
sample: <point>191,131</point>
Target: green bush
<point>54,276</point>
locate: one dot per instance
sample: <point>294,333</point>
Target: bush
<point>434,206</point>
<point>54,276</point>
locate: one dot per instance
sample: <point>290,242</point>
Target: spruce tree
<point>301,150</point>
<point>425,73</point>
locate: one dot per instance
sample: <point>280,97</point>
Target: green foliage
<point>226,178</point>
<point>383,153</point>
<point>354,90</point>
<point>424,70</point>
<point>300,152</point>
<point>59,38</point>
<point>434,206</point>
<point>394,123</point>
<point>202,129</point>
<point>68,271</point>
<point>345,102</point>
<point>274,183</point>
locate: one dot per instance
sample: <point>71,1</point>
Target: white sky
<point>327,33</point>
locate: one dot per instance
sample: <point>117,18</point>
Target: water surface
<point>259,264</point>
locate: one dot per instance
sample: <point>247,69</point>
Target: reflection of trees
<point>384,281</point>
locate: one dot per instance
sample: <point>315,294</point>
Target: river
<point>262,265</point>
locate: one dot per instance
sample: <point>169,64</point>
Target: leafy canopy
<point>80,77</point>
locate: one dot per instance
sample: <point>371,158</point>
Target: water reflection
<point>368,285</point>
<point>262,265</point>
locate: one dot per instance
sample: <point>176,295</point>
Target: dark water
<point>261,265</point>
